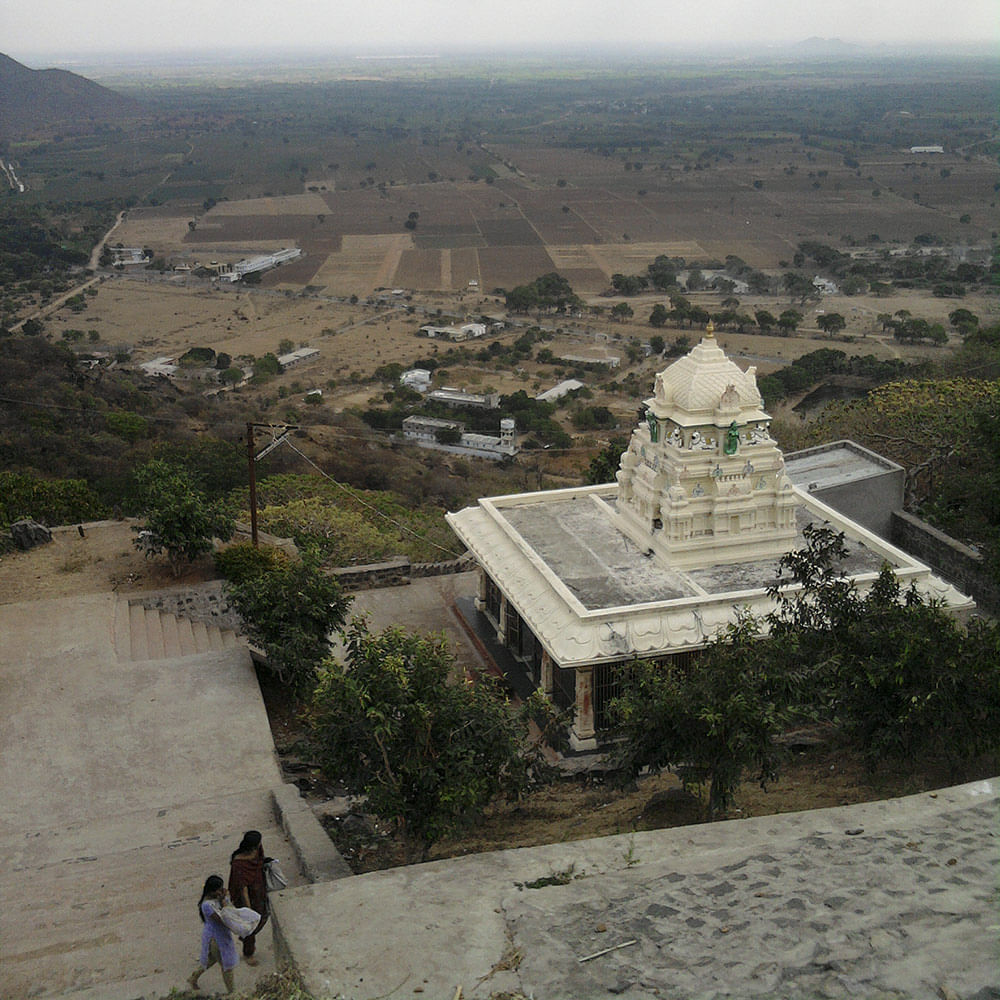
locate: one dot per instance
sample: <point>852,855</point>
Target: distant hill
<point>33,100</point>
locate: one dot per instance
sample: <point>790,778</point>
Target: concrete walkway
<point>126,781</point>
<point>892,899</point>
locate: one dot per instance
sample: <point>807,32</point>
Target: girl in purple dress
<point>217,943</point>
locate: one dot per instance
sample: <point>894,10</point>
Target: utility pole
<point>285,429</point>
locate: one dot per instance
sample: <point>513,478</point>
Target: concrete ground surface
<point>425,605</point>
<point>893,899</point>
<point>126,782</point>
<point>129,769</point>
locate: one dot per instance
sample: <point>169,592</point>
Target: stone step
<point>137,629</point>
<point>171,635</point>
<point>94,916</point>
<point>200,632</point>
<point>158,635</point>
<point>154,634</point>
<point>215,638</point>
<point>185,633</point>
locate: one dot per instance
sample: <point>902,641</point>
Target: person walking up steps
<point>247,886</point>
<point>217,944</point>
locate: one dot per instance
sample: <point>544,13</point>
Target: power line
<point>364,503</point>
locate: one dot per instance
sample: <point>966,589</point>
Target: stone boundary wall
<point>398,572</point>
<point>956,562</point>
<point>206,603</point>
<point>317,856</point>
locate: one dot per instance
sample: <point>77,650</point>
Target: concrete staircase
<point>143,633</point>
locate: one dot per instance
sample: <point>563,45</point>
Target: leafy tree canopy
<point>291,609</point>
<point>178,519</point>
<point>428,748</point>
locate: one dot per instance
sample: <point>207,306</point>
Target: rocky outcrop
<point>26,534</point>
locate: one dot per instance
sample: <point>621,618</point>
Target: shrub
<point>244,560</point>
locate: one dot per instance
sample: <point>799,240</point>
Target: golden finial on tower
<point>710,329</point>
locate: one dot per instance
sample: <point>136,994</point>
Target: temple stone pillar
<point>502,624</point>
<point>584,736</point>
<point>547,681</point>
<point>481,590</point>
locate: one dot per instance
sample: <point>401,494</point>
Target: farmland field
<point>460,183</point>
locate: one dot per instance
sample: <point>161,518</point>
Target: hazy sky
<point>31,27</point>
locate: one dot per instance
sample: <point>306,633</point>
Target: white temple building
<point>578,582</point>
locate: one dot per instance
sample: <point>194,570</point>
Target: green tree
<point>898,675</point>
<point>765,320</point>
<point>658,317</point>
<point>290,611</point>
<point>448,435</point>
<point>711,721</point>
<point>604,464</point>
<point>621,311</point>
<point>964,321</point>
<point>799,286</point>
<point>789,320</point>
<point>178,519</point>
<point>657,344</point>
<point>429,749</point>
<point>831,323</point>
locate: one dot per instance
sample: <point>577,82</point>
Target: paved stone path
<point>894,913</point>
<point>885,900</point>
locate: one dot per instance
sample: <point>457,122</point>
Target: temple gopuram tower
<point>703,481</point>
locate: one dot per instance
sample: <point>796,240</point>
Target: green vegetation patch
<point>348,526</point>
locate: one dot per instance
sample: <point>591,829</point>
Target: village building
<point>603,360</point>
<point>467,331</point>
<point>578,582</point>
<point>559,390</point>
<point>252,265</point>
<point>424,431</point>
<point>459,397</point>
<point>296,358</point>
<point>418,379</point>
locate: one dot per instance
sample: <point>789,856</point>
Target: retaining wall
<point>957,563</point>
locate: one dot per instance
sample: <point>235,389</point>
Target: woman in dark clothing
<point>247,886</point>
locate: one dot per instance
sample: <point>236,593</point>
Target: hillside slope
<point>33,100</point>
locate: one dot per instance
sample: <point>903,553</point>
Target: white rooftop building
<point>416,378</point>
<point>563,388</point>
<point>299,357</point>
<point>459,397</point>
<point>578,582</point>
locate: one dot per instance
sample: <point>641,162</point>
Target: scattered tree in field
<point>789,320</point>
<point>831,323</point>
<point>629,284</point>
<point>291,609</point>
<point>548,292</point>
<point>800,287</point>
<point>765,320</point>
<point>621,312</point>
<point>178,519</point>
<point>657,344</point>
<point>427,748</point>
<point>964,321</point>
<point>658,317</point>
